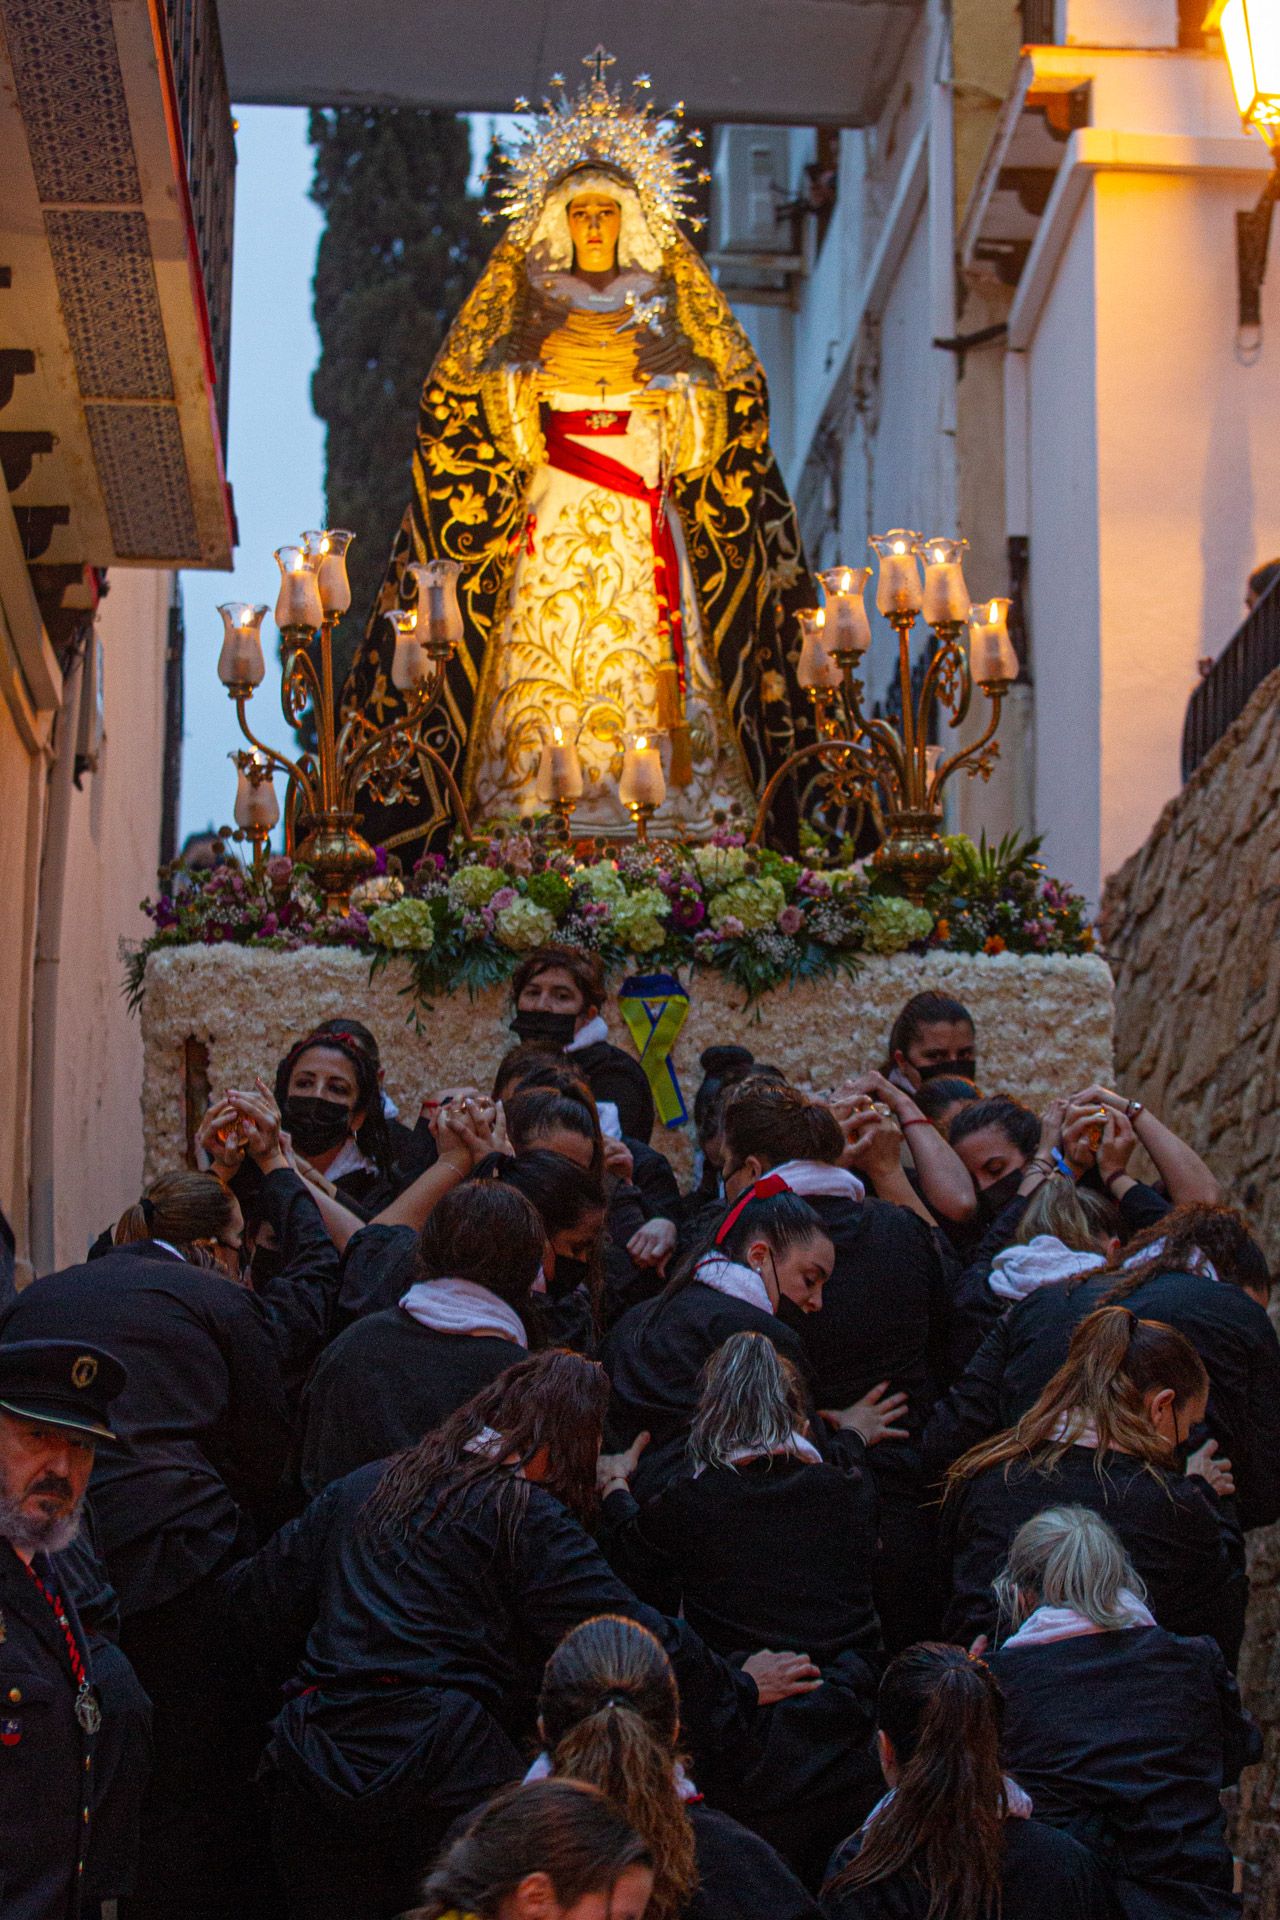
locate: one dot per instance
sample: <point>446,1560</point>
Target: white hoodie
<point>1018,1271</point>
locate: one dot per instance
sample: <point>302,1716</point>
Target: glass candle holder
<point>409,663</point>
<point>329,551</point>
<point>815,668</point>
<point>847,629</point>
<point>240,664</point>
<point>257,809</point>
<point>298,601</point>
<point>559,769</point>
<point>898,589</point>
<point>439,615</point>
<point>946,597</point>
<point>993,658</point>
<point>641,783</point>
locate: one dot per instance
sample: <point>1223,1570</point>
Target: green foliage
<point>402,247</point>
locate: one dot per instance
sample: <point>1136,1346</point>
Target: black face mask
<point>995,1198</point>
<point>965,1068</point>
<point>568,1275</point>
<point>315,1125</point>
<point>543,1028</point>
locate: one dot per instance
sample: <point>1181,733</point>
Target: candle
<point>815,667</point>
<point>256,804</point>
<point>439,614</point>
<point>642,783</point>
<point>240,664</point>
<point>898,588</point>
<point>847,629</point>
<point>409,665</point>
<point>946,597</point>
<point>298,601</point>
<point>993,658</point>
<point>559,769</point>
<point>329,551</point>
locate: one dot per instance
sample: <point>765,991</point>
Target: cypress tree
<point>402,246</point>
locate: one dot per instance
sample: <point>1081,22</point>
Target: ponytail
<point>186,1209</point>
<point>1114,1361</point>
<point>609,1711</point>
<point>942,1711</point>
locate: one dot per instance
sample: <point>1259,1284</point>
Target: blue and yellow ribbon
<point>654,1006</point>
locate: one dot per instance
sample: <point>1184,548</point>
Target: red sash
<point>584,463</point>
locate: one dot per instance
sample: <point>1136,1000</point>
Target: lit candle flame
<point>846,581</point>
<point>993,612</point>
<point>642,741</point>
<point>820,617</point>
<point>899,546</point>
<point>298,564</point>
<point>557,735</point>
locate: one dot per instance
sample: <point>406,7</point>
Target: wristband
<point>1117,1174</point>
<point>1063,1165</point>
<point>920,1120</point>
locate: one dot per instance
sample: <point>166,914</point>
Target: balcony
<point>1222,696</point>
<point>117,155</point>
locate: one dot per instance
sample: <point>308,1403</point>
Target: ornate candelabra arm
<point>973,755</point>
<point>814,749</point>
<point>351,759</point>
<point>463,818</point>
<point>281,760</point>
<point>882,733</point>
<point>303,676</point>
<point>946,678</point>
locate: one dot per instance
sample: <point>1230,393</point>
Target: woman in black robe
<point>393,1376</point>
<point>953,1835</point>
<point>1124,1735</point>
<point>1198,1270</point>
<point>1108,1433</point>
<point>415,1605</point>
<point>761,1539</point>
<point>609,1714</point>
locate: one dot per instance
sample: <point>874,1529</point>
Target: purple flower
<point>686,915</point>
<point>815,885</point>
<point>430,863</point>
<point>730,928</point>
<point>790,920</point>
<point>270,925</point>
<point>504,897</point>
<point>279,869</point>
<point>379,859</point>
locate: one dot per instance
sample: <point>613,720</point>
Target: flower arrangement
<point>764,918</point>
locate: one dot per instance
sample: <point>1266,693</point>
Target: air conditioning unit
<point>750,181</point>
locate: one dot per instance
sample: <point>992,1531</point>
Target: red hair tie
<point>762,1189</point>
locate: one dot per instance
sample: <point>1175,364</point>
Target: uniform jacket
<point>46,1756</point>
<point>202,1424</point>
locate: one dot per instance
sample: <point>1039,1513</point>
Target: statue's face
<point>595,221</point>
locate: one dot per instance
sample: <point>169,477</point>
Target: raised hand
<point>1118,1143</point>
<point>653,1244</point>
<point>220,1137</point>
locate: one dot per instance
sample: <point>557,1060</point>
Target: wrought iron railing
<point>1244,663</point>
<point>208,137</point>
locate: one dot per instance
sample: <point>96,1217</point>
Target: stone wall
<point>230,1012</point>
<point>1191,925</point>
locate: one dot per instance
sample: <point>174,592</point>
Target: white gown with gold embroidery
<point>580,646</point>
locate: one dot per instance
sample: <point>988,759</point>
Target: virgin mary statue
<point>593,448</point>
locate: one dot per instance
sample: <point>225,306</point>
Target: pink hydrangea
<point>504,897</point>
<point>790,920</point>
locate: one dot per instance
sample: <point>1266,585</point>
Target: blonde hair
<point>1083,1221</point>
<point>181,1207</point>
<point>750,1399</point>
<point>1069,1557</point>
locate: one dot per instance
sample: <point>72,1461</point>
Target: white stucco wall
<point>112,854</point>
<point>1061,465</point>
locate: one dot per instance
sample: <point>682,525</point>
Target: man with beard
<point>54,1400</point>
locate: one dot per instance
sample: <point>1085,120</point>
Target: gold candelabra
<point>896,772</point>
<point>320,813</point>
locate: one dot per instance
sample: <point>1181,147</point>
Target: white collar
<point>348,1159</point>
<point>795,1447</point>
<point>541,1770</point>
<point>734,1278</point>
<point>809,1177</point>
<point>1198,1263</point>
<point>588,1036</point>
<point>1048,1624</point>
<point>460,1306</point>
<point>1041,1262</point>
